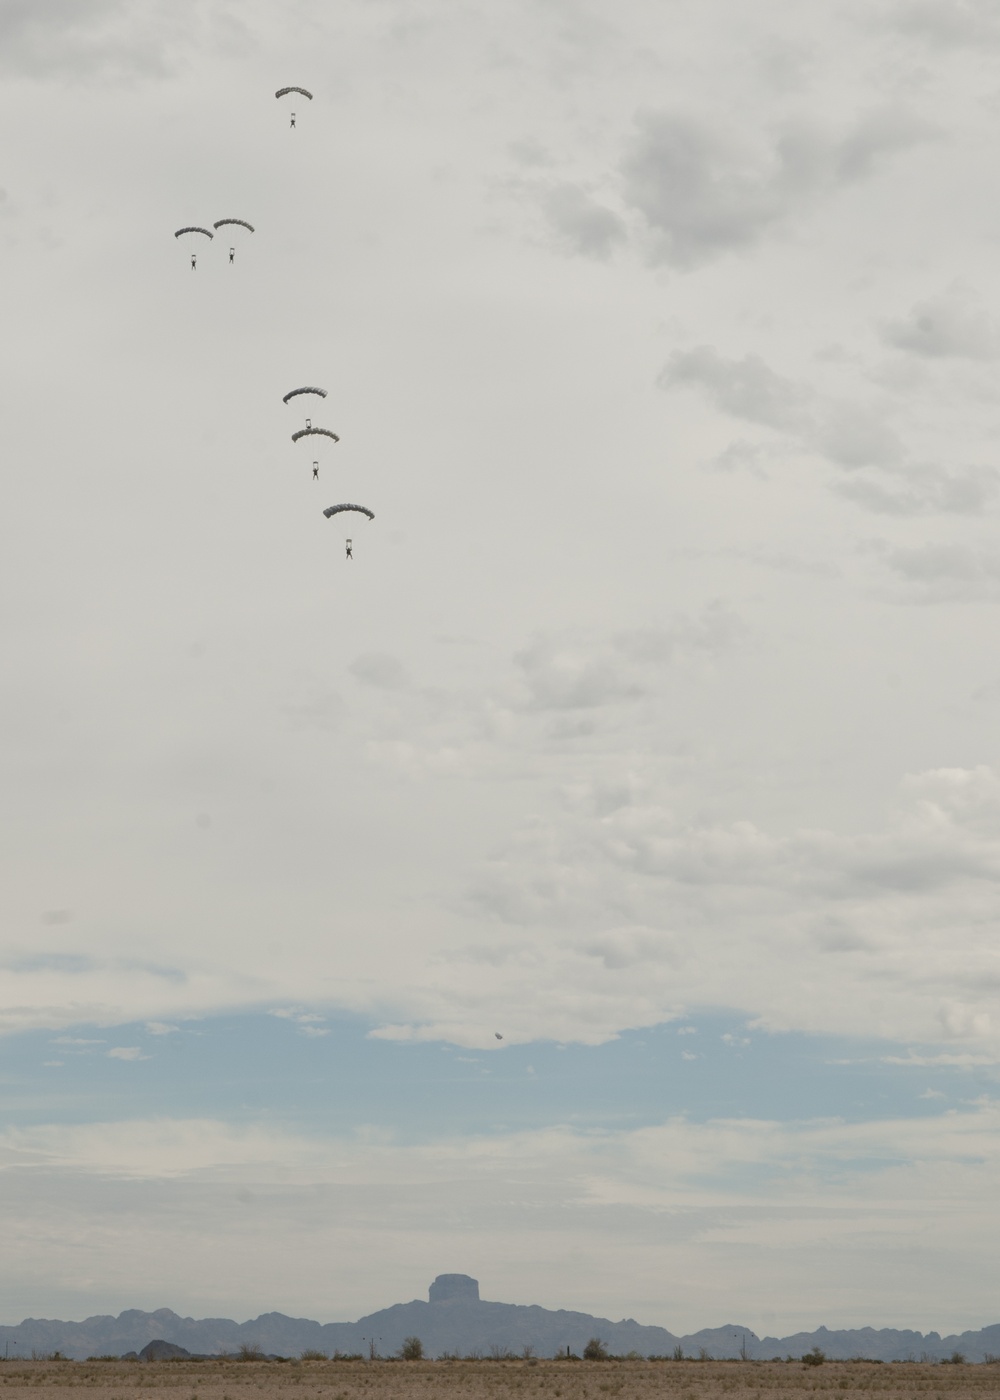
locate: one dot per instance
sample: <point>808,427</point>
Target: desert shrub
<point>595,1350</point>
<point>412,1349</point>
<point>678,1354</point>
<point>312,1354</point>
<point>957,1358</point>
<point>250,1351</point>
<point>816,1357</point>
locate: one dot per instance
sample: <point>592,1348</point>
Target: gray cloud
<point>718,628</point>
<point>853,436</point>
<point>951,22</point>
<point>704,191</point>
<point>578,673</point>
<point>746,388</point>
<point>583,224</point>
<point>947,572</point>
<point>380,670</point>
<point>850,434</point>
<point>919,488</point>
<point>83,39</point>
<point>740,455</point>
<point>561,676</point>
<point>954,323</point>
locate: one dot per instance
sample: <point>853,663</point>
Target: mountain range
<point>455,1320</point>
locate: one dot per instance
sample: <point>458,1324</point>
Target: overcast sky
<point>652,725</point>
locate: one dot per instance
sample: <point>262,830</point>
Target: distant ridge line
<point>458,1321</point>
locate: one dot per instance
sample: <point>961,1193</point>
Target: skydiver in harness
<point>349,554</point>
<point>292,122</point>
<point>194,261</point>
<point>232,255</point>
<point>315,471</point>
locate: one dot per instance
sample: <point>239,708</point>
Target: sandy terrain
<point>495,1380</point>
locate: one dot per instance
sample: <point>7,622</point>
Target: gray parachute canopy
<point>314,432</point>
<point>283,92</point>
<point>335,510</point>
<point>306,389</point>
<point>192,228</point>
<point>242,223</point>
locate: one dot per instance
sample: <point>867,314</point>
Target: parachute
<point>242,223</point>
<point>314,432</point>
<point>335,510</point>
<point>306,389</point>
<point>192,228</point>
<point>283,92</point>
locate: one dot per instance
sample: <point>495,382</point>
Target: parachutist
<point>349,554</point>
<point>194,261</point>
<point>232,255</point>
<point>315,471</point>
<point>292,122</point>
<point>309,422</point>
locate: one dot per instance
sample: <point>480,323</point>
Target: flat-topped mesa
<point>446,1288</point>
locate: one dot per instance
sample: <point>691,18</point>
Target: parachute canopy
<point>306,389</point>
<point>314,432</point>
<point>242,223</point>
<point>192,228</point>
<point>335,510</point>
<point>283,92</point>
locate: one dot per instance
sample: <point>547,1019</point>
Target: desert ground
<point>495,1380</point>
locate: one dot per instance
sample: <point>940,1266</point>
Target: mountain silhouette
<point>455,1320</point>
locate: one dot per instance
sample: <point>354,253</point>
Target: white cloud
<point>727,1203</point>
<point>126,1052</point>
